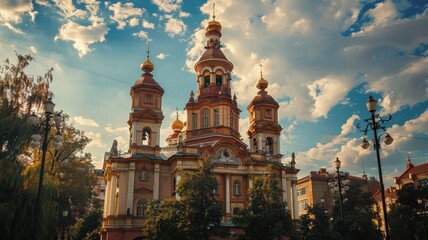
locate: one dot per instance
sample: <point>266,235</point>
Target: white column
<point>295,209</point>
<point>130,197</point>
<point>227,193</point>
<point>156,182</point>
<point>278,144</point>
<point>284,188</point>
<point>157,135</point>
<point>177,180</point>
<point>123,178</point>
<point>107,198</point>
<point>259,143</point>
<point>134,133</point>
<point>112,205</point>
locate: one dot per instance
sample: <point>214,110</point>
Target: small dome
<point>262,84</point>
<point>177,125</point>
<point>213,26</point>
<point>147,65</point>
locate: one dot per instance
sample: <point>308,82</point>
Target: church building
<point>209,133</point>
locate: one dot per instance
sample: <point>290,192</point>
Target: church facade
<point>210,133</point>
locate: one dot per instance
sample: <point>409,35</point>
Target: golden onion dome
<point>262,84</point>
<point>177,125</point>
<point>147,65</point>
<point>213,26</point>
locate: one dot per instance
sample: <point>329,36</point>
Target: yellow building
<point>210,133</point>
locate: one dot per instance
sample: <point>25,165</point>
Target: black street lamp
<point>337,164</point>
<point>374,123</point>
<point>64,216</point>
<point>339,185</point>
<point>44,126</point>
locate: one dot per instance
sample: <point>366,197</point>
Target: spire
<point>409,162</point>
<point>262,84</point>
<point>213,10</point>
<point>364,171</point>
<point>176,110</point>
<point>177,125</point>
<point>147,66</point>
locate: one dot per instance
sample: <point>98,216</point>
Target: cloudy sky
<point>322,60</point>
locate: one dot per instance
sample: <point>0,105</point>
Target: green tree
<point>266,216</point>
<point>315,225</point>
<point>193,216</point>
<point>407,218</point>
<point>89,227</point>
<point>164,220</point>
<point>358,214</point>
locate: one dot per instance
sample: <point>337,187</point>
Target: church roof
<point>416,170</point>
<point>213,53</point>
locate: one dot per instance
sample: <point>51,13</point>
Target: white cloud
<point>12,28</point>
<point>175,26</point>
<point>85,121</point>
<point>141,34</point>
<point>96,140</point>
<point>33,49</point>
<point>121,12</point>
<point>383,14</point>
<point>11,13</point>
<point>161,56</point>
<point>82,36</point>
<point>122,130</point>
<point>167,5</point>
<point>184,14</point>
<point>147,24</point>
<point>133,22</point>
<point>68,9</point>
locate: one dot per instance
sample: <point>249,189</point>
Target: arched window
<point>141,207</point>
<point>206,118</point>
<point>207,78</point>
<point>269,145</point>
<point>216,117</point>
<point>144,175</point>
<point>235,211</point>
<point>237,188</point>
<point>194,121</point>
<point>219,78</point>
<point>146,137</point>
<point>254,144</point>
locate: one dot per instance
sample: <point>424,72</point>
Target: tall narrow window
<point>237,188</point>
<point>194,121</point>
<point>207,78</point>
<point>146,137</point>
<point>148,99</point>
<point>231,119</point>
<point>254,144</point>
<point>216,117</point>
<point>269,145</point>
<point>141,207</point>
<point>144,175</point>
<point>205,118</point>
<point>219,78</point>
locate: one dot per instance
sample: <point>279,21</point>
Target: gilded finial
<point>147,65</point>
<point>176,109</point>
<point>214,10</point>
<point>148,48</point>
<point>261,69</point>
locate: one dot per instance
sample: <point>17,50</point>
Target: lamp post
<point>64,215</point>
<point>374,123</point>
<point>44,127</point>
<point>337,165</point>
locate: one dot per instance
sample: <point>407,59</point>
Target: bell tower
<point>215,110</point>
<point>264,131</point>
<point>146,115</point>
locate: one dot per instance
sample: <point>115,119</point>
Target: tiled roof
<point>416,170</point>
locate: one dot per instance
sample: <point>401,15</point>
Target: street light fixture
<point>337,164</point>
<point>44,126</point>
<point>374,123</point>
<point>64,215</point>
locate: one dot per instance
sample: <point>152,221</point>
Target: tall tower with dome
<point>210,132</point>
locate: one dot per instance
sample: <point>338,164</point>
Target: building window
<point>194,121</point>
<point>237,188</point>
<point>144,175</point>
<point>303,205</point>
<point>269,145</point>
<point>301,191</point>
<point>254,144</point>
<point>148,99</point>
<point>205,118</point>
<point>146,137</point>
<point>268,113</point>
<point>141,207</point>
<point>231,118</point>
<point>207,78</point>
<point>215,190</point>
<point>216,117</point>
<point>235,211</point>
<point>219,78</point>
<point>423,182</point>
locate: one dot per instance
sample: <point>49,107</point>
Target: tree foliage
<point>20,94</point>
<point>89,227</point>
<point>192,216</point>
<point>266,216</point>
<point>408,219</point>
<point>315,225</point>
<point>359,216</point>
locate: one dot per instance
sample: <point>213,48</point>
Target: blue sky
<point>322,60</point>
